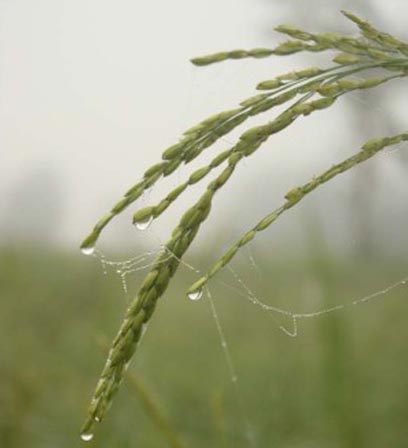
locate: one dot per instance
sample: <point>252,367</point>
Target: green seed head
<point>197,286</point>
<point>252,101</point>
<point>143,214</point>
<point>158,167</point>
<point>260,52</point>
<point>269,85</point>
<point>289,47</point>
<point>199,174</point>
<point>173,151</point>
<point>294,32</point>
<point>346,59</point>
<point>210,59</point>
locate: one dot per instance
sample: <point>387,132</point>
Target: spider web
<point>285,320</point>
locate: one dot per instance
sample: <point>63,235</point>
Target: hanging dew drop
<point>87,436</point>
<point>144,223</point>
<point>88,250</point>
<point>195,295</point>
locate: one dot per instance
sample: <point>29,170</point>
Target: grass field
<point>342,382</point>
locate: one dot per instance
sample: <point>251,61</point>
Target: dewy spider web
<point>128,266</point>
<point>138,263</point>
<point>296,317</point>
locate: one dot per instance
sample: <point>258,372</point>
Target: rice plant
<point>375,56</point>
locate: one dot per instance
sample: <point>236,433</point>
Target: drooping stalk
<point>305,92</point>
<point>369,150</point>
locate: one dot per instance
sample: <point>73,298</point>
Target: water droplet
<point>88,250</point>
<point>97,419</point>
<point>144,223</point>
<point>195,295</point>
<point>87,436</point>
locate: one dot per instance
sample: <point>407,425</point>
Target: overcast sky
<point>92,91</point>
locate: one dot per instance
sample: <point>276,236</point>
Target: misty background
<point>91,93</point>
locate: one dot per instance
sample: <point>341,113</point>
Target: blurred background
<point>91,93</point>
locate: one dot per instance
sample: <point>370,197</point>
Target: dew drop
<point>88,250</point>
<point>144,223</point>
<point>195,295</point>
<point>87,436</point>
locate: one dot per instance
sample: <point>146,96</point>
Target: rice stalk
<point>305,92</point>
